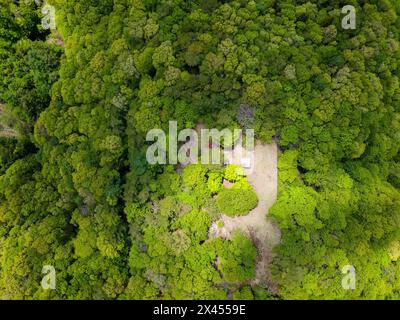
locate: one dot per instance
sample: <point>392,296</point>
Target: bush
<point>233,202</point>
<point>233,172</point>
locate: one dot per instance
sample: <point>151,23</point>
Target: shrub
<point>233,202</point>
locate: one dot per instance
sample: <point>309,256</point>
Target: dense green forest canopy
<point>77,193</point>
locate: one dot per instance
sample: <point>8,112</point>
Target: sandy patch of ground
<point>7,132</point>
<point>263,176</point>
<point>55,38</point>
<point>4,130</point>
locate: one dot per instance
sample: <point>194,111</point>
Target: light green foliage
<point>214,182</point>
<point>243,294</point>
<point>233,172</point>
<point>171,249</point>
<point>301,208</point>
<point>237,260</point>
<point>77,192</point>
<point>236,202</point>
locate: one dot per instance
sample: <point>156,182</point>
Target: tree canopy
<point>77,193</point>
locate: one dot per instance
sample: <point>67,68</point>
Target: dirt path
<point>4,130</point>
<point>262,174</point>
<point>7,132</point>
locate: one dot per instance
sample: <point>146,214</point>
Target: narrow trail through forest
<point>4,130</point>
<point>263,177</point>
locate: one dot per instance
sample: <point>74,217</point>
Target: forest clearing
<point>263,177</point>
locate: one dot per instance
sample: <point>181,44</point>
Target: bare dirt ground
<point>263,176</point>
<point>55,38</point>
<point>4,130</point>
<point>7,132</point>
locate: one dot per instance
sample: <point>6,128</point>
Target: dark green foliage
<point>28,65</point>
<point>27,77</point>
<point>78,193</point>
